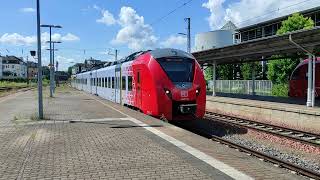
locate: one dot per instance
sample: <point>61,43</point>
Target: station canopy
<point>254,50</point>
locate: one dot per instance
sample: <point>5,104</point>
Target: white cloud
<point>134,32</point>
<point>27,10</point>
<point>17,39</point>
<point>70,37</point>
<point>64,62</point>
<point>107,18</point>
<point>20,40</point>
<point>246,12</point>
<point>174,41</point>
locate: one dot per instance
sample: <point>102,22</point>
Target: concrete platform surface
<point>86,137</point>
<point>288,115</point>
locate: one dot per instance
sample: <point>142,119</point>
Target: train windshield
<point>178,69</point>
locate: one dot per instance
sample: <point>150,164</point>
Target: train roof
<point>169,52</point>
<point>157,53</point>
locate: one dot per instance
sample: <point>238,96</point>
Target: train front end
<point>181,85</point>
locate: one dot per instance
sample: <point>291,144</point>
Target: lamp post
<point>52,68</point>
<point>40,103</point>
<point>51,57</point>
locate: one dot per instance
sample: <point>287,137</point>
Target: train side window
<point>105,82</point>
<point>129,83</point>
<point>296,75</point>
<point>138,77</point>
<point>112,83</point>
<point>109,83</point>
<point>123,82</point>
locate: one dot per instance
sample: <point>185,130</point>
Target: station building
<point>12,67</point>
<point>270,27</point>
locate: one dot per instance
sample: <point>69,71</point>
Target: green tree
<point>208,73</point>
<point>295,22</point>
<point>70,70</point>
<point>246,70</point>
<point>225,71</point>
<point>279,70</point>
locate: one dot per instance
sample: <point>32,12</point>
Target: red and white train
<point>162,83</point>
<point>298,84</point>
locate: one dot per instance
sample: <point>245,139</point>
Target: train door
<point>138,89</point>
<point>118,85</point>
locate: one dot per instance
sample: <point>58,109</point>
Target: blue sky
<point>98,26</point>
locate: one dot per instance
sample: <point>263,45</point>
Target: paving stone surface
<point>111,149</point>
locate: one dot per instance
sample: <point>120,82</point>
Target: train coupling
<point>188,108</point>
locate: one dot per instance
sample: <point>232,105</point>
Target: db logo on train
<point>184,94</point>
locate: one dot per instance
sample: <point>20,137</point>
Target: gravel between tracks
<point>272,151</point>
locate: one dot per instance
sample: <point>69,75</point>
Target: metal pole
<point>51,70</point>
<point>313,80</point>
<point>309,99</point>
<point>116,55</point>
<point>40,103</point>
<point>189,35</point>
<point>214,65</point>
<point>53,73</point>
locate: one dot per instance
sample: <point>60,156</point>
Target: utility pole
<point>115,54</point>
<point>40,103</point>
<point>189,34</point>
<point>51,59</point>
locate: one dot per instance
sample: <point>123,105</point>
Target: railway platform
<point>86,137</point>
<point>277,111</point>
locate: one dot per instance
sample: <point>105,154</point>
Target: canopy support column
<point>214,66</point>
<point>313,80</point>
<point>253,74</point>
<point>309,93</point>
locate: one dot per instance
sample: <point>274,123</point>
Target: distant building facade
<point>216,39</point>
<point>270,27</point>
<point>13,67</point>
<point>88,65</point>
<point>32,69</point>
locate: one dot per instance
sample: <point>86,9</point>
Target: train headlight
<point>198,91</point>
<point>168,93</point>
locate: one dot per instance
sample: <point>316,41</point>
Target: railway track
<point>276,161</point>
<point>301,136</point>
<point>4,89</point>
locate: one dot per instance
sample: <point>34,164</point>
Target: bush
<point>280,90</point>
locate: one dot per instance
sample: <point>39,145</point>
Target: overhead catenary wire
<point>273,11</point>
<point>170,12</point>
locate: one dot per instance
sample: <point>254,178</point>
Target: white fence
<point>262,87</point>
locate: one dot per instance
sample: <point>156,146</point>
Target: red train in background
<point>298,84</point>
<point>165,83</point>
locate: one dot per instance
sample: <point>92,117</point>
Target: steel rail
<point>263,156</point>
<point>301,136</point>
<point>274,160</point>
